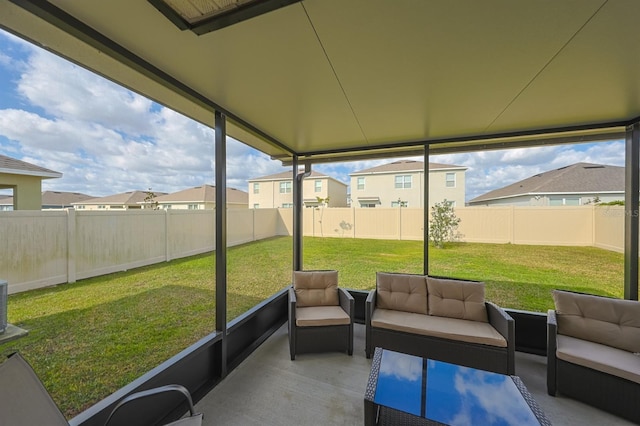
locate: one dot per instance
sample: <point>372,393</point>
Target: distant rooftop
<point>575,178</point>
<point>124,198</point>
<point>203,193</point>
<point>406,166</point>
<point>61,198</point>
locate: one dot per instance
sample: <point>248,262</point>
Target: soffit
<point>327,78</point>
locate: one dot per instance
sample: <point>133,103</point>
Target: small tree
<point>149,200</point>
<point>322,202</point>
<point>444,224</point>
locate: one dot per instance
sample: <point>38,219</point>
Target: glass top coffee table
<point>406,389</point>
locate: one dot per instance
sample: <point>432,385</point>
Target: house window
<point>403,182</point>
<point>360,184</point>
<point>287,205</point>
<point>102,207</point>
<point>399,203</point>
<point>368,205</point>
<point>256,188</point>
<point>256,206</point>
<point>564,201</point>
<point>318,186</point>
<point>450,180</point>
<point>285,187</point>
<point>193,207</point>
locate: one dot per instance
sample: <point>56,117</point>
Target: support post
<point>297,212</point>
<point>631,209</point>
<point>426,210</point>
<point>221,235</point>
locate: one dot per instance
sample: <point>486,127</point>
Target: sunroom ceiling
<point>331,79</point>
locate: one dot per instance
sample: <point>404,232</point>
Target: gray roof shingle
<point>575,178</point>
<point>19,167</point>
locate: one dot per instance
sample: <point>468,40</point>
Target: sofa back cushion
<point>316,288</point>
<point>611,322</point>
<point>401,292</point>
<point>457,299</point>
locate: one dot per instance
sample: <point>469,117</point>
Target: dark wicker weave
<point>601,390</point>
<point>484,357</point>
<point>321,338</point>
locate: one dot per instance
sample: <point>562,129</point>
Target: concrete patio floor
<point>328,389</point>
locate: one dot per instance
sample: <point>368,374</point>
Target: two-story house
<point>277,191</point>
<point>401,184</point>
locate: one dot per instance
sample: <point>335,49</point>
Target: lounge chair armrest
<point>552,320</point>
<point>552,331</point>
<point>506,326</point>
<point>292,304</point>
<point>552,345</point>
<point>501,321</point>
<point>370,306</point>
<point>152,392</point>
<point>347,302</point>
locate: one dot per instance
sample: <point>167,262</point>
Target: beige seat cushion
<point>401,292</point>
<point>616,362</point>
<point>611,322</point>
<point>457,299</point>
<point>321,315</point>
<point>316,288</point>
<point>443,327</point>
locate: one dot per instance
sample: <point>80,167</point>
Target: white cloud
<point>68,91</point>
<point>401,366</point>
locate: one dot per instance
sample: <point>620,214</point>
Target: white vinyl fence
<point>43,248</point>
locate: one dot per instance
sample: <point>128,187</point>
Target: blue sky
<point>106,139</point>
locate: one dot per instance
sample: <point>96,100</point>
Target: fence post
<point>512,220</point>
<point>71,245</point>
<point>167,247</point>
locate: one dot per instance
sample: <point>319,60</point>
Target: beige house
<point>401,183</point>
<point>200,198</point>
<point>25,180</point>
<point>130,200</point>
<point>574,185</point>
<point>61,199</point>
<point>277,191</point>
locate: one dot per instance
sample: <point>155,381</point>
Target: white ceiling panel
<point>325,76</point>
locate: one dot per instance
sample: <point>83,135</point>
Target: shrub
<point>444,224</point>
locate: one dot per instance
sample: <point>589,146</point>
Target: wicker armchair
<point>592,352</point>
<point>320,314</point>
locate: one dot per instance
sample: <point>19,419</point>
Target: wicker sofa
<point>439,318</point>
<point>593,351</point>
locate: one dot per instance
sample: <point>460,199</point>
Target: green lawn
<point>90,338</point>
